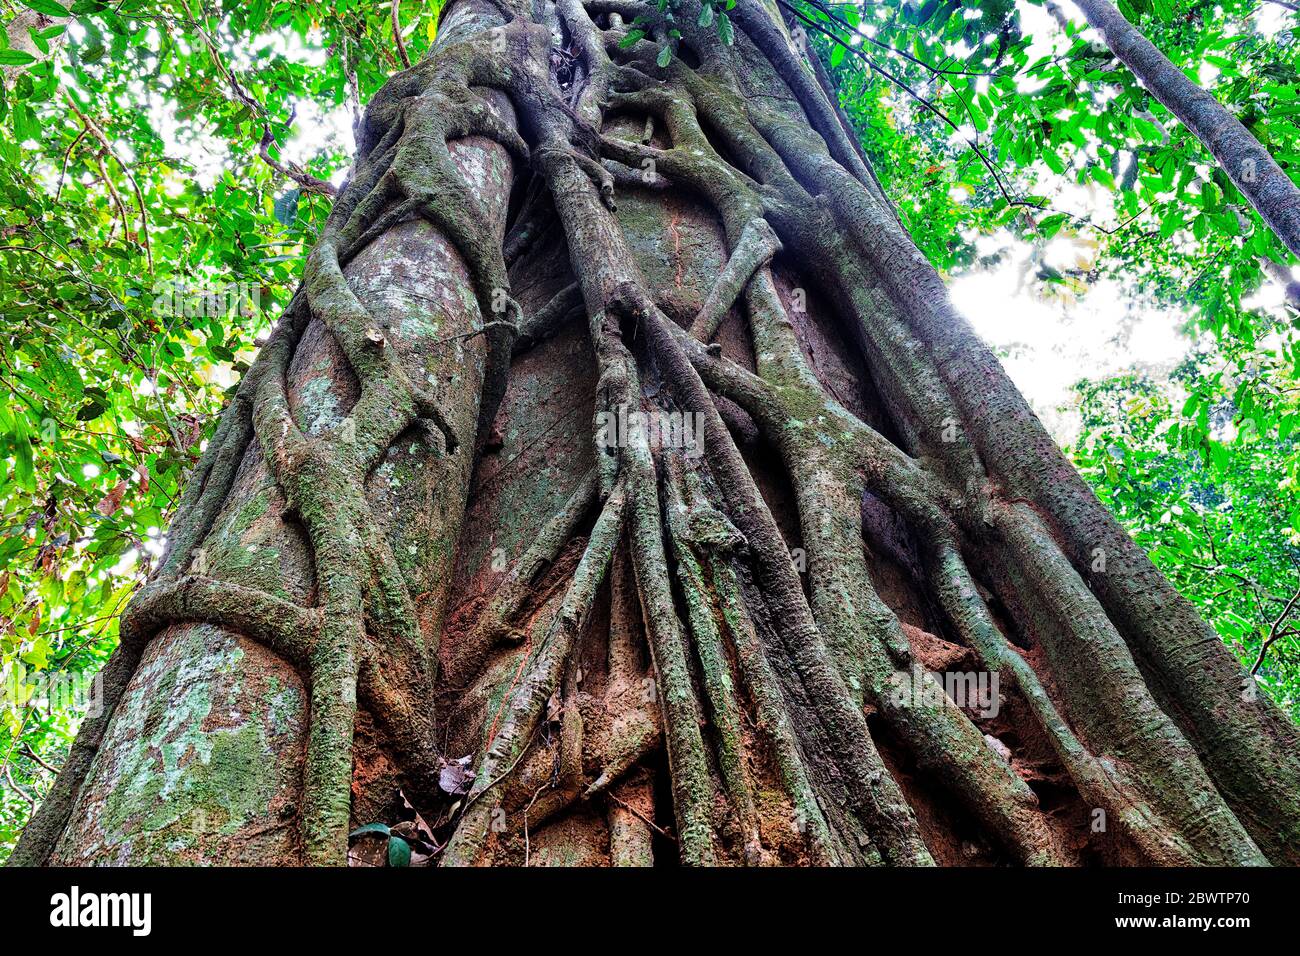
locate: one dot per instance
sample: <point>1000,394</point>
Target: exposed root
<point>498,621</point>
<point>724,708</point>
<point>758,243</point>
<point>528,701</point>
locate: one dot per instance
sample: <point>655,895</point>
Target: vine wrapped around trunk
<point>416,569</point>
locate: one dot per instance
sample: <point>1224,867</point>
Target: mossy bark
<point>413,545</point>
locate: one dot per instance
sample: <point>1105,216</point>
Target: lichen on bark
<point>410,519</point>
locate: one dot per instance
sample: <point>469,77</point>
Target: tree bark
<point>622,486</point>
<point>19,34</point>
<point>1248,164</point>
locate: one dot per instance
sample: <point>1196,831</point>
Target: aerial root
<point>395,692</point>
<point>874,792</point>
<point>499,621</point>
<point>993,792</point>
<point>631,831</point>
<point>764,689</point>
<point>562,784</point>
<point>327,779</point>
<point>208,486</point>
<point>1101,786</point>
<point>692,782</point>
<point>288,629</point>
<point>646,741</point>
<point>528,701</point>
<point>601,177</point>
<point>758,243</point>
<point>627,692</point>
<point>547,321</point>
<point>686,513</point>
<point>1108,697</point>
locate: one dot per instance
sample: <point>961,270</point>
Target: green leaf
<point>48,7</point>
<point>91,410</point>
<point>665,55</point>
<point>399,852</point>
<point>39,654</point>
<point>93,52</point>
<point>24,470</point>
<point>706,15</point>
<point>286,206</point>
<point>1051,225</point>
<point>1287,425</point>
<point>1171,222</point>
<point>927,11</point>
<point>15,58</point>
<point>380,828</point>
<point>726,30</point>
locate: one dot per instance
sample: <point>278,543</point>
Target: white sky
<point>1051,340</point>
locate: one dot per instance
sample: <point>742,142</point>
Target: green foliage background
<point>976,130</point>
<point>129,165</point>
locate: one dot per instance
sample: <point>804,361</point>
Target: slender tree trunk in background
<point>1282,276</point>
<point>1248,164</point>
<point>18,31</point>
<point>432,533</point>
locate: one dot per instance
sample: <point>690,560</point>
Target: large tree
<point>430,561</point>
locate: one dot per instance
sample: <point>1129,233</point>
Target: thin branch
<point>31,801</point>
<point>1038,205</point>
<point>397,36</point>
<point>642,817</point>
<point>925,104</point>
<point>32,755</point>
<point>304,179</point>
<point>937,71</point>
<point>98,133</point>
<point>1275,631</point>
<point>63,171</point>
<point>117,200</point>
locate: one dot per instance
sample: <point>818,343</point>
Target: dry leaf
<point>113,500</point>
<point>456,777</point>
<point>370,850</point>
<point>422,828</point>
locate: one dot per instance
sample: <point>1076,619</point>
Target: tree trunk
<point>621,487</point>
<point>1248,164</point>
<point>18,32</point>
